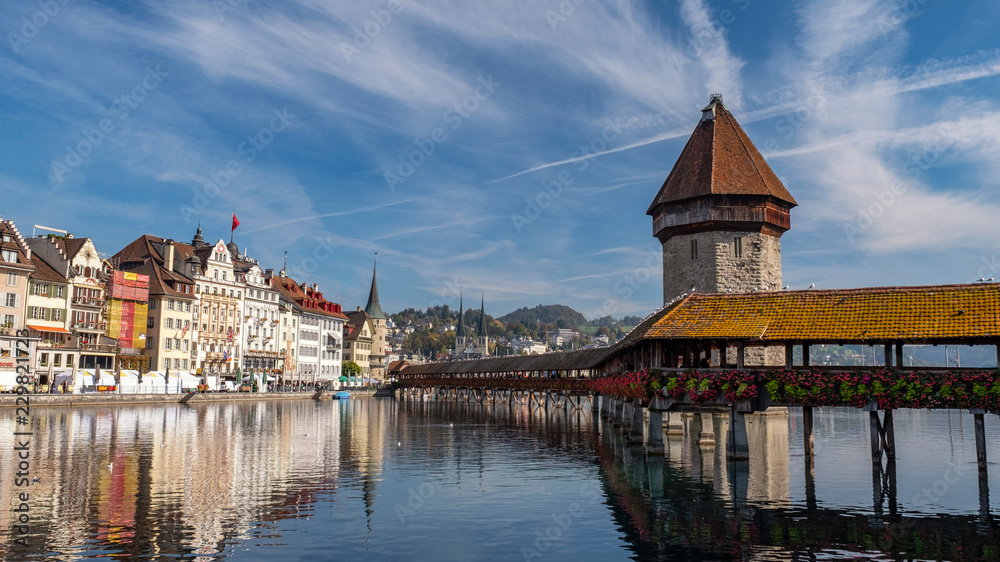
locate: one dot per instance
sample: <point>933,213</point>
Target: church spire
<point>373,308</point>
<point>461,317</point>
<point>482,316</point>
<point>198,240</point>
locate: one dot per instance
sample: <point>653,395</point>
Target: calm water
<point>382,479</point>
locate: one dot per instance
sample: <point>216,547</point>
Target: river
<point>382,479</point>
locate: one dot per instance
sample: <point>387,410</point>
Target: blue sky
<point>506,145</point>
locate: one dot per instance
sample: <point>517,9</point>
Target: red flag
<point>236,222</point>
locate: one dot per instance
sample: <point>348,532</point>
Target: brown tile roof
<point>568,360</point>
<point>927,313</point>
<point>720,159</point>
<point>309,300</point>
<point>44,272</point>
<point>16,244</point>
<point>147,255</point>
<point>70,246</point>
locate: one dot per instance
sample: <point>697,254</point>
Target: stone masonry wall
<point>718,269</point>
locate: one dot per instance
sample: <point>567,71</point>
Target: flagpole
<point>233,229</point>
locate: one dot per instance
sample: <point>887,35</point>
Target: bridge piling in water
<point>737,443</point>
<point>635,433</point>
<point>654,438</point>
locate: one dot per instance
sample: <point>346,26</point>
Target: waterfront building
<point>218,316</point>
<point>359,338</point>
<point>126,317</point>
<point>289,314</point>
<point>262,351</point>
<point>318,357</point>
<point>77,260</point>
<point>169,334</point>
<point>15,269</point>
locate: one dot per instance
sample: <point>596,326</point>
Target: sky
<point>506,147</point>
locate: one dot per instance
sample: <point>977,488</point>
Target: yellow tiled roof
<point>880,313</point>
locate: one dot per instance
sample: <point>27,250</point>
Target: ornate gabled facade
<point>359,339</point>
<point>15,268</point>
<point>77,260</point>
<point>720,213</point>
<point>263,353</point>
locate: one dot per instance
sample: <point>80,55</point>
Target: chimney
<point>316,287</point>
<point>359,309</point>
<point>170,255</point>
<point>269,272</point>
<point>27,252</point>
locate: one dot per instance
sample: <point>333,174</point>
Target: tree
<point>351,368</point>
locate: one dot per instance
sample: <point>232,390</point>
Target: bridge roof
<point>569,360</point>
<point>923,313</point>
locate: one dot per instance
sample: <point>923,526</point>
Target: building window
<point>184,364</point>
<point>57,314</point>
<point>187,307</point>
<point>44,359</point>
<point>151,322</point>
<point>738,247</point>
<point>694,249</point>
<point>166,362</point>
<point>197,288</point>
<point>170,304</point>
<point>9,256</point>
<point>60,292</point>
<point>11,279</point>
<point>10,300</point>
<point>177,363</point>
<point>57,359</point>
<point>170,322</point>
<point>149,343</point>
<point>168,344</point>
<point>8,321</point>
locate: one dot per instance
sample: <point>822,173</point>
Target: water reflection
<point>463,480</point>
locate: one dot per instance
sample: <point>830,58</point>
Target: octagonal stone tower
<point>720,213</point>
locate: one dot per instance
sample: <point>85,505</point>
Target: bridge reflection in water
<point>690,503</point>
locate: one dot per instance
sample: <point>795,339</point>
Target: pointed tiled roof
<point>460,333</point>
<point>44,272</point>
<point>482,317</point>
<point>719,159</point>
<point>373,308</point>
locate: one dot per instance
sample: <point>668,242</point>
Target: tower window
<point>694,249</point>
<point>738,247</point>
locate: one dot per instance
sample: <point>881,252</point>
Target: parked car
<point>227,386</point>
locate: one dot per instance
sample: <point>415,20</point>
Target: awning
<point>342,379</point>
<point>49,329</point>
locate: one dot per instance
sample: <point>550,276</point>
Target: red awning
<point>49,329</point>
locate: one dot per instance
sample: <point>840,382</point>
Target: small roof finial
<point>715,97</point>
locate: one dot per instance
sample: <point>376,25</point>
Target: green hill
<point>563,316</point>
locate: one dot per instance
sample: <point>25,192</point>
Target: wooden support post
<point>876,437</point>
<point>654,435</point>
<point>899,355</point>
<point>805,355</point>
<point>739,355</point>
<point>807,433</point>
<point>887,353</point>
<point>638,416</point>
<point>888,436</point>
<point>788,356</point>
<point>980,441</point>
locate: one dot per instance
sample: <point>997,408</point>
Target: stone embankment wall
<point>42,400</point>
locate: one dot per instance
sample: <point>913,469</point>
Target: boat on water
<point>341,395</point>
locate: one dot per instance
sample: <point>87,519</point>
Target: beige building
<point>379,332</point>
<point>359,339</point>
<point>169,339</point>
